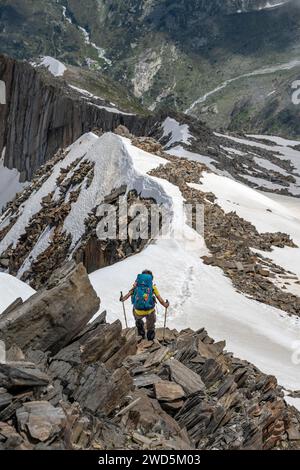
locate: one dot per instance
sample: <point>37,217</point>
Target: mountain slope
<point>158,50</point>
<point>51,221</point>
<point>107,389</point>
<point>202,295</point>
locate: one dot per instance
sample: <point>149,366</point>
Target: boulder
<point>102,343</point>
<point>101,391</point>
<point>59,312</point>
<point>128,349</point>
<point>168,391</point>
<point>166,335</point>
<point>122,131</point>
<point>156,357</point>
<point>148,416</point>
<point>294,432</point>
<point>15,354</point>
<point>21,375</point>
<point>182,375</point>
<point>9,438</point>
<point>40,420</point>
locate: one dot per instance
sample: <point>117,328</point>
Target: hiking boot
<point>141,328</point>
<point>151,335</point>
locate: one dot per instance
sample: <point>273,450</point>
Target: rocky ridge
<point>72,180</point>
<point>100,387</point>
<point>69,112</point>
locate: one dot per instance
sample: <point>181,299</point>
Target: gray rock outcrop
<point>52,317</point>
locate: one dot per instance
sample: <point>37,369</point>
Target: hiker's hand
<point>167,304</point>
<point>121,298</point>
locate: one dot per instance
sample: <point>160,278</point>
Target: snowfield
<point>11,289</point>
<point>267,212</point>
<point>180,138</point>
<point>200,295</point>
<point>9,184</point>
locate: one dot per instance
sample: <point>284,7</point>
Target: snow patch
<point>9,183</point>
<point>12,289</point>
<point>266,212</point>
<point>179,151</point>
<point>54,66</point>
<point>282,149</point>
<point>178,133</point>
<point>88,95</point>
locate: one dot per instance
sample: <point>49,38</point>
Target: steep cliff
<point>42,114</point>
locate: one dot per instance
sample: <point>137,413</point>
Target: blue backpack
<point>143,295</point>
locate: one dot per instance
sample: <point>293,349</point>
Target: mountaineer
<point>144,295</point>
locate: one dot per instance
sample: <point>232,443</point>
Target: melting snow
<point>109,109</point>
<point>262,162</point>
<point>255,207</point>
<point>179,151</point>
<point>282,149</point>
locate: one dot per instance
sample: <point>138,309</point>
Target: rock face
<point>31,138</point>
<point>52,317</point>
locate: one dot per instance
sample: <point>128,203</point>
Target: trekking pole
<point>124,310</point>
<point>165,324</point>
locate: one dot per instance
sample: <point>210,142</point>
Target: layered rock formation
<point>50,318</point>
<point>103,388</point>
